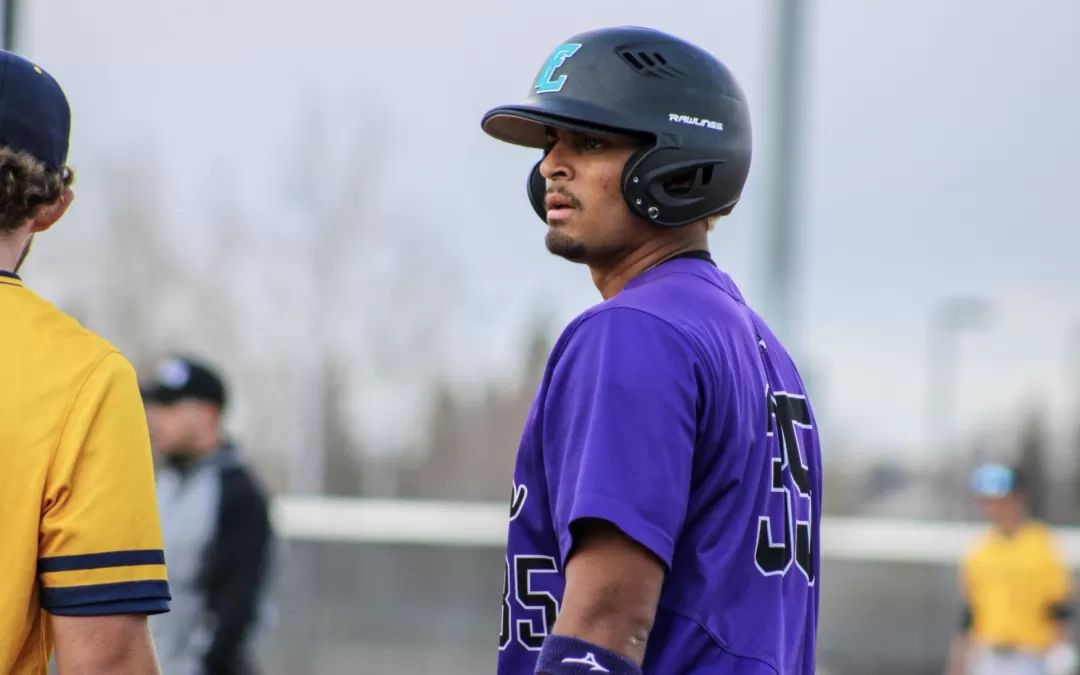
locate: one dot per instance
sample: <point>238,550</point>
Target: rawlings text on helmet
<point>694,121</point>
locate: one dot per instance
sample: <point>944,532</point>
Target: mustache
<point>560,190</point>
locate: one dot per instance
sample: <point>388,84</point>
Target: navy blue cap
<point>34,113</point>
<point>180,378</point>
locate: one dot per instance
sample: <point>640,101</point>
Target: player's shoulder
<point>620,322</point>
<point>682,290</point>
<point>47,323</point>
<point>1038,528</point>
<point>70,349</point>
<point>618,334</point>
<point>981,545</point>
<point>240,478</point>
<point>91,354</point>
<point>980,553</point>
<point>989,544</point>
<point>684,302</point>
<point>1040,534</point>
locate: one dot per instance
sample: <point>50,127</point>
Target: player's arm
<point>612,590</point>
<point>1063,657</point>
<point>237,569</point>
<point>104,645</point>
<point>101,565</point>
<point>1063,611</point>
<point>960,647</point>
<point>620,422</point>
<point>1061,592</point>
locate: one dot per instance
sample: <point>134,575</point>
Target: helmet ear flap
<point>631,189</point>
<point>537,188</point>
<point>665,185</point>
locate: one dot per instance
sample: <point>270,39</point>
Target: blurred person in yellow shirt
<point>82,563</point>
<point>1017,590</point>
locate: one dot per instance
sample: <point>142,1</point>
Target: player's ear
<point>47,216</point>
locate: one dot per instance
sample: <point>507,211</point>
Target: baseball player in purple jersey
<point>666,501</point>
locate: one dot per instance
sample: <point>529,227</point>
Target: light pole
<point>1072,364</point>
<point>1072,387</point>
<point>11,25</point>
<point>949,319</point>
<point>780,236</point>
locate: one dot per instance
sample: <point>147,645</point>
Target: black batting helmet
<point>680,100</point>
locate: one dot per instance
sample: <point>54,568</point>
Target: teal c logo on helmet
<point>544,83</point>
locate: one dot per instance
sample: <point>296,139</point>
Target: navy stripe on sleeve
<point>94,561</point>
<point>148,607</point>
<point>103,598</point>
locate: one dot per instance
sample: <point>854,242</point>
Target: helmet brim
<point>528,125</point>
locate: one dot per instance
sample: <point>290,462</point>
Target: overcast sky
<point>940,160</point>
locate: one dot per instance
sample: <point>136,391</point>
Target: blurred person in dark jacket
<point>216,525</point>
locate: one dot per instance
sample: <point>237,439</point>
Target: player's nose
<point>556,164</point>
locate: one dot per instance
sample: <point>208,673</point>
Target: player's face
<point>1002,511</point>
<point>588,220</point>
<point>175,427</point>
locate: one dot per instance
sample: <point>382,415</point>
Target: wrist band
<point>563,655</point>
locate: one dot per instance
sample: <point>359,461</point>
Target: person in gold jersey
<point>81,565</point>
<point>1018,592</point>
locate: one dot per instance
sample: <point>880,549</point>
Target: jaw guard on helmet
<point>683,104</point>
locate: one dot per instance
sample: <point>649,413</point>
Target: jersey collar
<point>694,263</point>
<point>9,279</point>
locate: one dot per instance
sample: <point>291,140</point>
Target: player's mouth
<point>558,207</point>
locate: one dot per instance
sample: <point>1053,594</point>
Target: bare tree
<point>1074,445</point>
<point>138,265</point>
<point>343,471</point>
<point>1033,449</point>
<point>378,287</point>
<point>155,298</point>
<point>339,283</point>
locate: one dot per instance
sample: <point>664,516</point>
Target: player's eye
<point>591,143</point>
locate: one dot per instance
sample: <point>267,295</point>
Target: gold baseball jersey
<point>1017,589</point>
<point>81,534</point>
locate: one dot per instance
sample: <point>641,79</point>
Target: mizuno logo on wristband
<point>588,660</point>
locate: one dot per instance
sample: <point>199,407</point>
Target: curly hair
<point>26,184</point>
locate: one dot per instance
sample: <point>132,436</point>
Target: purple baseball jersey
<point>671,411</point>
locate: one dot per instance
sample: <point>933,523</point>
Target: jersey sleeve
<point>619,427</point>
<point>1059,582</point>
<point>100,546</point>
<point>967,609</point>
<point>237,568</point>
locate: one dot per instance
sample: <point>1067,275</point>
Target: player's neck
<point>1010,527</point>
<point>211,443</point>
<point>611,279</point>
<point>11,249</point>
